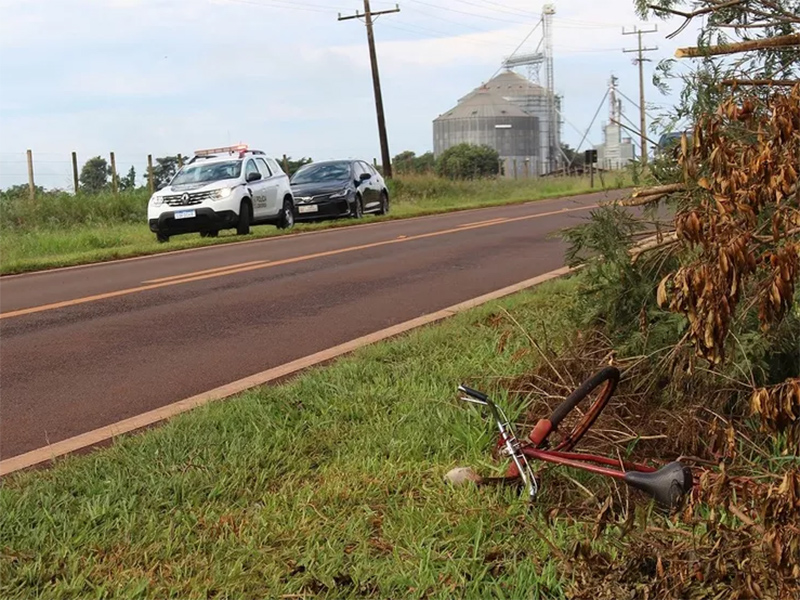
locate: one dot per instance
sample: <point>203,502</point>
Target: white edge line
<point>102,434</point>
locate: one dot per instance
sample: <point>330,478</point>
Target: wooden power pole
<point>641,60</point>
<point>376,81</point>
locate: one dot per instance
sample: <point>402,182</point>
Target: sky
<point>160,77</point>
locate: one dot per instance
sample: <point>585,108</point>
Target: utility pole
<point>376,82</point>
<point>641,60</point>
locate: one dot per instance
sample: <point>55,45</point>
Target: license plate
<point>185,214</point>
<point>309,209</point>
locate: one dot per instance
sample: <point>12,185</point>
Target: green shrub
<point>466,161</point>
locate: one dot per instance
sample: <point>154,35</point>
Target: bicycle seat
<point>667,486</point>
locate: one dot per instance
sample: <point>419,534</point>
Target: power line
<point>286,4</point>
<point>441,35</point>
<point>452,22</point>
<point>527,37</point>
<point>503,9</point>
<point>597,112</point>
<point>463,12</point>
<point>635,105</point>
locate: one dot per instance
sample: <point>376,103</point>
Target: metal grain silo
<point>508,113</point>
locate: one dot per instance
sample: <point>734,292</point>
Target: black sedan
<point>338,188</point>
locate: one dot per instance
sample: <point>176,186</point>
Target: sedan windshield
<point>322,172</point>
<point>204,173</point>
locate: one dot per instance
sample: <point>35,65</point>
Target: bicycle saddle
<point>667,486</point>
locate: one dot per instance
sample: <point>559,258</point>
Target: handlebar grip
<point>608,374</point>
<point>474,393</point>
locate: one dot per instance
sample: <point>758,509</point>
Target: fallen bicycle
<point>668,485</point>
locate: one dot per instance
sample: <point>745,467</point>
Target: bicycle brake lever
<point>474,401</point>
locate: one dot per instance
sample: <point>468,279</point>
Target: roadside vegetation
<point>327,486</point>
<point>701,312</point>
<point>61,229</point>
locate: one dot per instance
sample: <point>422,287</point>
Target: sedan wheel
<point>357,211</point>
<point>384,210</point>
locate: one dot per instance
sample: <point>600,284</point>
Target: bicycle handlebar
<point>474,393</point>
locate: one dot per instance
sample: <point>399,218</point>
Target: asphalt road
<point>85,347</point>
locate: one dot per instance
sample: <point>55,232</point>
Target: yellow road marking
<point>217,270</point>
<point>497,220</point>
<point>91,438</point>
<point>278,263</point>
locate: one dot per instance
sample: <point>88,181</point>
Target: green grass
<point>327,486</point>
<point>61,230</point>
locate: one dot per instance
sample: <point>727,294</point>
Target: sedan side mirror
<point>253,177</point>
<point>364,177</point>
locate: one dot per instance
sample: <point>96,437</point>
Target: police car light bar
<point>226,149</point>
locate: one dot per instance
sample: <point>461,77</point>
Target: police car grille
<point>193,198</point>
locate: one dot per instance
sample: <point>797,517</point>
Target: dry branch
<point>781,41</point>
<point>769,82</point>
<point>642,200</point>
<point>659,189</point>
<point>696,13</point>
<point>653,243</point>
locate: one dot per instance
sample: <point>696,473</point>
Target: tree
<point>425,163</point>
<point>294,165</point>
<point>164,170</point>
<point>466,161</point>
<point>94,175</point>
<point>726,261</point>
<point>739,44</point>
<point>408,162</point>
<point>129,181</point>
<point>404,162</point>
<point>21,190</point>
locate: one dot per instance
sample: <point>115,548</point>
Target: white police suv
<point>222,188</point>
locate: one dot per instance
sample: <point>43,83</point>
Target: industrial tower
<point>549,139</point>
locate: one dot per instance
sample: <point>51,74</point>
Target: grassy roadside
<point>327,486</point>
<point>63,230</point>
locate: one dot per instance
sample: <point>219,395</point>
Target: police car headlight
<point>156,200</point>
<point>223,193</point>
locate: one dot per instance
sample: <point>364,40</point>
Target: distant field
<point>59,229</point>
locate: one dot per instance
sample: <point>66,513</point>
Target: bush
<point>466,161</point>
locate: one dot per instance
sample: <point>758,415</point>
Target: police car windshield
<point>204,173</point>
<point>322,172</point>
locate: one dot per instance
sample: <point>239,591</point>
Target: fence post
<point>150,172</point>
<point>525,170</point>
<point>285,165</point>
<point>515,168</point>
<point>31,184</point>
<point>114,182</point>
<point>180,161</point>
<point>75,172</point>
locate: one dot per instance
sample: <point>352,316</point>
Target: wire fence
<point>59,172</point>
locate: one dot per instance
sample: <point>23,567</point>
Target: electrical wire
<point>597,112</point>
<point>503,9</point>
<point>530,33</point>
<point>463,12</point>
<point>635,104</point>
<point>440,35</point>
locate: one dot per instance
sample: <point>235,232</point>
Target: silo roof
<point>511,84</point>
<point>483,103</point>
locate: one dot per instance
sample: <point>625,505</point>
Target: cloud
<point>166,76</point>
